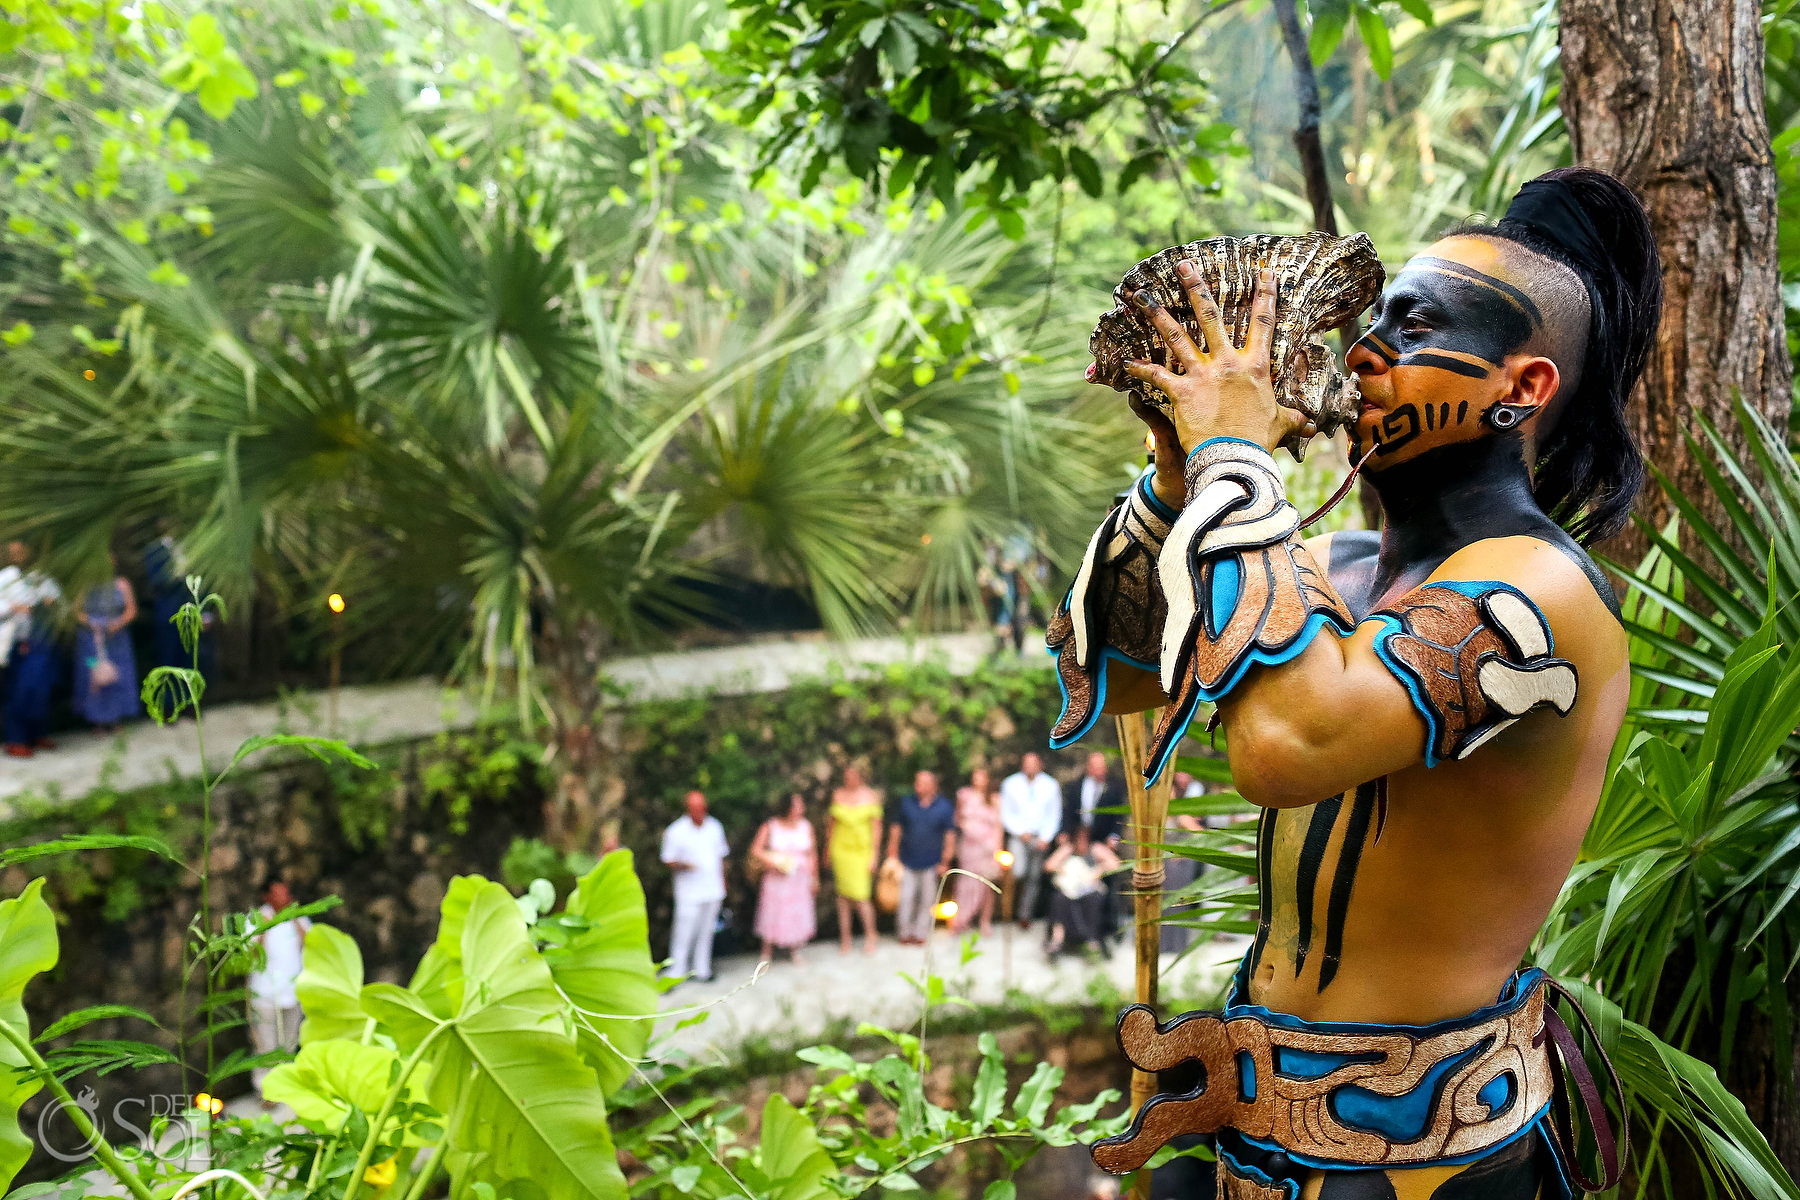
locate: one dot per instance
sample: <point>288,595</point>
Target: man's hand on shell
<point>1226,391</point>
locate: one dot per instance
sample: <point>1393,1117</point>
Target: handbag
<point>887,886</point>
<point>754,866</point>
<point>104,673</point>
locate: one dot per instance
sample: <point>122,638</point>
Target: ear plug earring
<point>1506,416</point>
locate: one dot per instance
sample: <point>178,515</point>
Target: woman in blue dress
<point>107,612</point>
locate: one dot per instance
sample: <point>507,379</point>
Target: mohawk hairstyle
<point>1590,469</point>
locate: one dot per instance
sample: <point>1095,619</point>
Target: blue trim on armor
<point>1292,1063</point>
<point>1153,500</point>
<point>1210,441</point>
<point>1227,587</point>
<point>1258,657</point>
<point>1183,717</point>
<point>1106,653</point>
<point>1474,589</point>
<point>1499,1093</point>
<point>1246,1069</point>
<point>1399,1118</point>
<point>1455,1160</point>
<point>1290,1186</point>
<point>1513,993</point>
<point>1274,658</point>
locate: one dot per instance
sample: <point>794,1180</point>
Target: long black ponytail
<point>1590,468</point>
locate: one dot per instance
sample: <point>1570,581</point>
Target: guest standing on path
<point>852,836</point>
<point>694,848</point>
<point>1031,811</point>
<point>274,1005</point>
<point>924,840</point>
<point>1084,798</point>
<point>978,841</point>
<point>790,883</point>
<point>31,668</point>
<point>106,679</point>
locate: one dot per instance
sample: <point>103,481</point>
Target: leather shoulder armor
<point>1475,657</point>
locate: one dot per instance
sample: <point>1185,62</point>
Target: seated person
<point>1078,910</point>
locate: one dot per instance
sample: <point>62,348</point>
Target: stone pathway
<point>377,714</point>
<point>791,1005</point>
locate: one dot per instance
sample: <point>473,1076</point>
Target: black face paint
<point>1460,313</point>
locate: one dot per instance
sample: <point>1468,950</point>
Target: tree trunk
<point>1311,149</point>
<point>1668,96</point>
<point>583,799</point>
<point>1765,1083</point>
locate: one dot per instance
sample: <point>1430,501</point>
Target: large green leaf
<point>27,949</point>
<point>518,1097</point>
<point>795,1163</point>
<point>327,1079</point>
<point>330,986</point>
<point>606,968</point>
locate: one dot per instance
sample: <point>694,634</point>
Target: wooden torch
<point>1149,817</point>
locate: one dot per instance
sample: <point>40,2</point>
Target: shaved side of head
<point>1564,311</point>
<point>1563,300</point>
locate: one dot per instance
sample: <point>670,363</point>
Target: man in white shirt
<point>1031,814</point>
<point>32,658</point>
<point>694,849</point>
<point>274,1006</point>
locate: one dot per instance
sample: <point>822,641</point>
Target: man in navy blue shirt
<point>924,840</point>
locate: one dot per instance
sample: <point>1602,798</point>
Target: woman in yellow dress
<point>851,840</point>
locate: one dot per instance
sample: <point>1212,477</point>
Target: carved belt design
<point>1337,1094</point>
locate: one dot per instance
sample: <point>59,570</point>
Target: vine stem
<point>637,1068</point>
<point>206,791</point>
<point>940,1149</point>
<point>216,1173</point>
<point>387,1109</point>
<point>77,1115</point>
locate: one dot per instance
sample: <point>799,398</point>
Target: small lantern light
<point>335,602</point>
<point>946,910</point>
<point>1004,858</point>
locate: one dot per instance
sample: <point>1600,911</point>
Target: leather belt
<point>1337,1095</point>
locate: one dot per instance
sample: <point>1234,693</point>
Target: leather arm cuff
<point>1240,588</point>
<point>1113,610</point>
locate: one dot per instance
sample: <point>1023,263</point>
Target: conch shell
<point>1324,282</point>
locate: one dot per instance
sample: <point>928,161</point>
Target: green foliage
<point>920,94</point>
<point>496,1060</point>
<point>330,986</point>
<point>598,951</point>
<point>538,280</point>
<point>1680,907</point>
<point>27,949</point>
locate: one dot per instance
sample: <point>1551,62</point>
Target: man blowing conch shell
<point>1424,715</point>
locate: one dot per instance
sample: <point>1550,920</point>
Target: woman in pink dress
<point>785,850</point>
<point>980,834</point>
